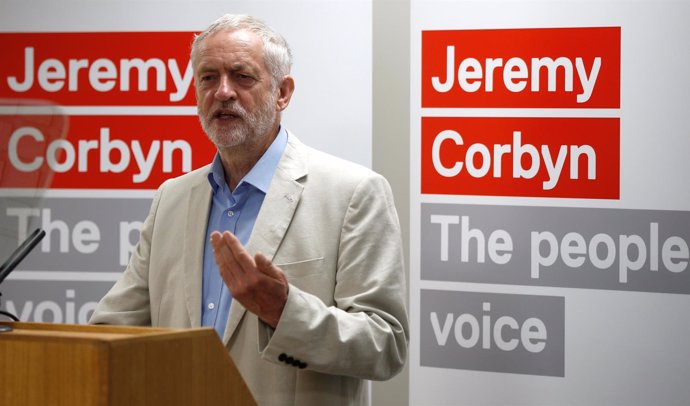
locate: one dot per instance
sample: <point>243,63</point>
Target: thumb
<point>265,266</point>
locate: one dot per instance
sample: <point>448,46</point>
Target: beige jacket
<point>331,226</point>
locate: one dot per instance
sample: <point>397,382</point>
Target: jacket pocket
<point>303,268</point>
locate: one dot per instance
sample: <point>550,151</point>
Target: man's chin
<point>226,140</point>
<point>225,143</point>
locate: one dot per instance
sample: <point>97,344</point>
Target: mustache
<point>230,108</point>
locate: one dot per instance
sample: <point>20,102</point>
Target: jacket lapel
<point>198,201</point>
<point>275,215</point>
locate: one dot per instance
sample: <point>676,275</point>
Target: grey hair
<point>277,53</point>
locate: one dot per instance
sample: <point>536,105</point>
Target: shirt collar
<point>261,174</point>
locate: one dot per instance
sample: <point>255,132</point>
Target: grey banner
<point>493,332</point>
<point>83,234</point>
<point>52,301</point>
<point>590,248</point>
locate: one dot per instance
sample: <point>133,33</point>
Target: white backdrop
<point>622,343</point>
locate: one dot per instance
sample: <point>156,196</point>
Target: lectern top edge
<point>107,333</point>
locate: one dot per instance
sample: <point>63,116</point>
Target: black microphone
<point>22,251</point>
<point>13,260</point>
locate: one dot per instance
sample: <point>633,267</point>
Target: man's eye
<point>244,78</point>
<point>206,78</point>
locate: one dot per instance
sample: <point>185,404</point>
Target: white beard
<point>248,127</point>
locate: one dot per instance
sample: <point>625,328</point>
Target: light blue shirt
<point>235,211</point>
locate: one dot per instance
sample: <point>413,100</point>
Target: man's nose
<point>225,90</point>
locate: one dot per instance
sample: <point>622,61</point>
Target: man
<point>294,256</point>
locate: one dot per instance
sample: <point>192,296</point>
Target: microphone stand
<point>23,250</point>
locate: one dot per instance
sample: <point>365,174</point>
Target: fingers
<point>260,286</point>
<point>235,263</point>
<point>225,259</point>
<point>238,251</point>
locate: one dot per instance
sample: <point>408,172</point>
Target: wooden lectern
<point>73,365</point>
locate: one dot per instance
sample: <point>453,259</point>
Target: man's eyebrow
<point>235,67</point>
<point>204,67</point>
<point>243,67</point>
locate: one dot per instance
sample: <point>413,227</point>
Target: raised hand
<point>256,283</point>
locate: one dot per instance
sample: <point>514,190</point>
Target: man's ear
<point>285,90</point>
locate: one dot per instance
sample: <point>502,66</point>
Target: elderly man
<point>292,255</point>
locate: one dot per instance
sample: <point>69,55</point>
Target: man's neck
<point>239,160</point>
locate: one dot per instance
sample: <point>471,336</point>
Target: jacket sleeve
<point>365,334</point>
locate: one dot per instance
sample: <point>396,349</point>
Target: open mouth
<point>225,115</point>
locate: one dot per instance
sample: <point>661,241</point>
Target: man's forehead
<point>240,42</point>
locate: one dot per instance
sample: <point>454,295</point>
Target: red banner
<point>531,157</point>
<point>98,68</point>
<point>517,68</point>
<point>99,152</point>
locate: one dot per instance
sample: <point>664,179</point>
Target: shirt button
<point>231,213</point>
<point>211,306</point>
